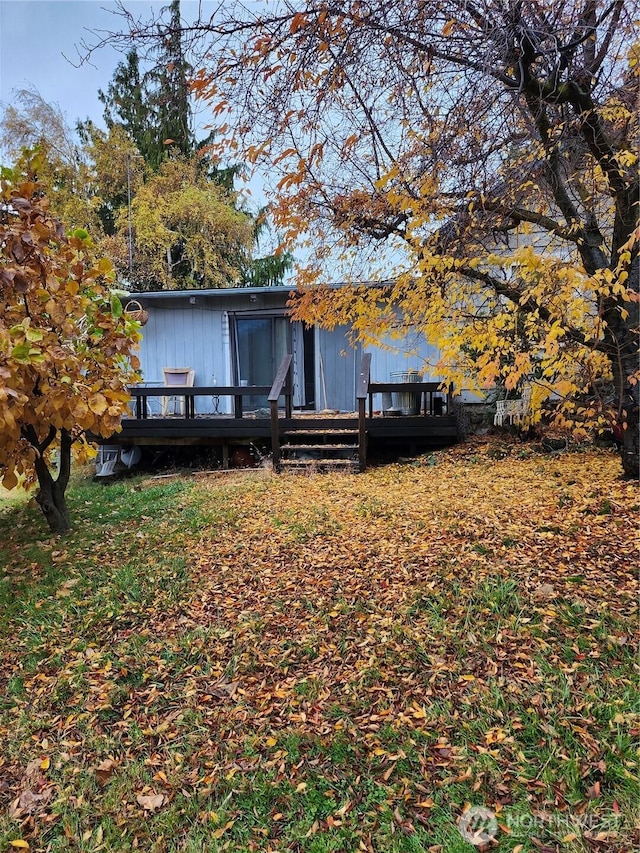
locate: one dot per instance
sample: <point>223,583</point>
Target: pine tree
<point>153,106</point>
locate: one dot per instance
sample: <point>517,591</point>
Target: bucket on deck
<point>405,401</point>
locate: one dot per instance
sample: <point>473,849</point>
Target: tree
<point>187,232</point>
<point>128,103</point>
<point>118,171</point>
<point>64,170</point>
<point>66,349</point>
<point>267,270</point>
<point>491,147</point>
<point>154,107</point>
<point>194,236</point>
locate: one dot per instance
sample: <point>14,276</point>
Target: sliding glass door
<point>260,344</point>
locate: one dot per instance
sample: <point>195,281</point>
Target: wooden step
<point>315,431</point>
<point>301,465</point>
<point>319,454</point>
<point>322,448</point>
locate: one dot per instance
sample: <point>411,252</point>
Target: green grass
<point>318,664</point>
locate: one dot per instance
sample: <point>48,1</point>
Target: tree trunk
<point>51,496</point>
<point>630,449</point>
<point>53,505</point>
<point>630,445</point>
<point>622,343</point>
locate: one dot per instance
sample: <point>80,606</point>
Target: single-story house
<point>238,336</point>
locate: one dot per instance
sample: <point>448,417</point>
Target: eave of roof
<point>221,292</point>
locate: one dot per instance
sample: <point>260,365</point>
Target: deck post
<point>362,393</point>
<point>275,436</point>
<point>362,435</point>
<point>274,394</point>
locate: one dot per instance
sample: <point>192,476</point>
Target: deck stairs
<point>319,449</point>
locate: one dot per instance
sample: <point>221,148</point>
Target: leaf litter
<point>349,662</point>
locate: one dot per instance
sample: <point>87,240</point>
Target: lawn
<point>326,663</point>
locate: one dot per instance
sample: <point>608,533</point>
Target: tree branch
<point>514,294</point>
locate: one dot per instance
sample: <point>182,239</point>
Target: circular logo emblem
<point>478,825</point>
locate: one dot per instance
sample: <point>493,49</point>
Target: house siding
<point>193,330</point>
<point>189,336</point>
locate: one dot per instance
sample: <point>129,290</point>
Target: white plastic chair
<point>182,377</point>
<point>513,411</point>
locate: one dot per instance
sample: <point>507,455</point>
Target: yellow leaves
<point>54,305</point>
<point>497,735</point>
<point>98,404</point>
<point>79,409</point>
<point>627,159</point>
<point>218,833</point>
<point>19,844</point>
<point>179,201</point>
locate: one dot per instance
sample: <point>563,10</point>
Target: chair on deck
<point>176,377</point>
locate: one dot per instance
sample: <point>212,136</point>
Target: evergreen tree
<point>174,111</point>
<point>129,102</point>
<point>154,106</point>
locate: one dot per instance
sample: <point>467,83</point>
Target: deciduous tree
<point>491,146</point>
<point>187,231</point>
<point>66,349</point>
<point>64,169</point>
<point>152,103</point>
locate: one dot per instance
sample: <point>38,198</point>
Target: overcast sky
<point>35,38</point>
<point>39,44</point>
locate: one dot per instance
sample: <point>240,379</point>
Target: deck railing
<point>431,400</point>
<point>361,396</point>
<point>141,395</point>
<point>281,385</point>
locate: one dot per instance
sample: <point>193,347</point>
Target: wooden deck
<point>216,429</point>
<point>280,429</point>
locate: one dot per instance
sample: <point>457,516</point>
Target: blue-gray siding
<point>188,336</point>
<point>182,334</point>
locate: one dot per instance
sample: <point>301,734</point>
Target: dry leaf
<point>150,802</point>
<point>104,771</point>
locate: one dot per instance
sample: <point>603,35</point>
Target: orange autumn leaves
<point>66,349</point>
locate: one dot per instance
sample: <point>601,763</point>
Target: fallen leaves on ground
<point>339,661</point>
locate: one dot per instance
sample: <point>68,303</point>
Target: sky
<point>39,42</point>
<point>40,46</point>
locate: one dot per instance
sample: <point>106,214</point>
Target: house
<point>211,361</point>
<point>238,336</point>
